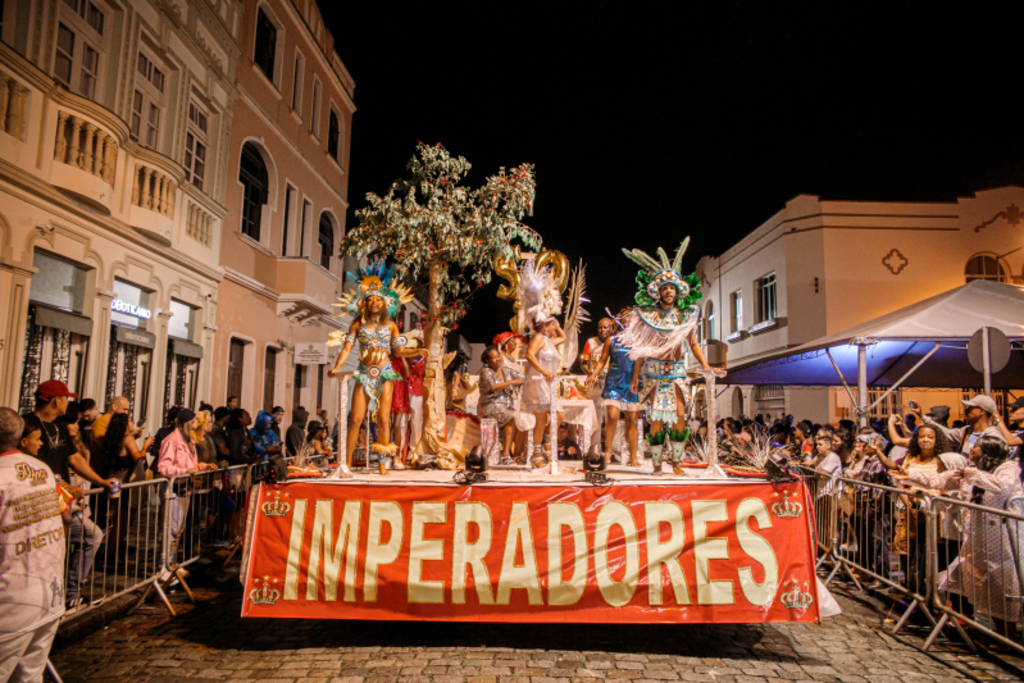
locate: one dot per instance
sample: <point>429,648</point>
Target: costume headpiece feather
<point>656,273</point>
<point>374,280</point>
<point>539,297</point>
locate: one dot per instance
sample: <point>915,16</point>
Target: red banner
<point>715,552</point>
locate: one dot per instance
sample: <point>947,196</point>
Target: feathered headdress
<point>655,274</point>
<point>374,280</point>
<point>539,297</point>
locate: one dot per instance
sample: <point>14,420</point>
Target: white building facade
<point>114,126</point>
<point>819,266</point>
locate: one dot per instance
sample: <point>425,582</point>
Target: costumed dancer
<point>589,361</point>
<point>401,408</point>
<point>619,396</point>
<point>513,347</point>
<point>375,305</point>
<point>540,301</point>
<point>657,333</point>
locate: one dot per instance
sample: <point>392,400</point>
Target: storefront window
<point>58,283</point>
<point>130,307</point>
<point>182,323</point>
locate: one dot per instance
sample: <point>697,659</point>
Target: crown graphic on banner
<point>787,507</point>
<point>276,507</point>
<point>796,598</point>
<point>264,595</point>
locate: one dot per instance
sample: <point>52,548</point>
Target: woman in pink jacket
<point>177,457</point>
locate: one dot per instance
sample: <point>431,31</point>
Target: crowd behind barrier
<point>158,527</point>
<point>955,563</point>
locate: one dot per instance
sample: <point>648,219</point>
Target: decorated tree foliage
<point>432,228</point>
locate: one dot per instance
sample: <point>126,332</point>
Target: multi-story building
<point>817,267</point>
<point>287,161</point>
<point>114,162</point>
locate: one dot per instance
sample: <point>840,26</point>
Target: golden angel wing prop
<point>575,316</point>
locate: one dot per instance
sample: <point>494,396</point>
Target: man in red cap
<point>62,456</point>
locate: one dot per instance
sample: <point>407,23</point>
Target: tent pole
<point>986,361</point>
<point>862,384</point>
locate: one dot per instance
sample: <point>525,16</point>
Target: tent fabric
<point>902,338</point>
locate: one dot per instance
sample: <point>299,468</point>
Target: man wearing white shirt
<point>32,547</point>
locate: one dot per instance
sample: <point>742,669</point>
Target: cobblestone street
<point>211,641</point>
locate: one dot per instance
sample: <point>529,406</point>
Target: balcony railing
<point>82,144</point>
<point>12,105</point>
<point>154,191</point>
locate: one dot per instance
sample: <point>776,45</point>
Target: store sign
<point>131,309</point>
<point>708,552</point>
<point>311,353</point>
<point>135,337</point>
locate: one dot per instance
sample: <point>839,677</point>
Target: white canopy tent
<point>927,340</point>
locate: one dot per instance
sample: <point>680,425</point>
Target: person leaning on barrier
<point>984,572</point>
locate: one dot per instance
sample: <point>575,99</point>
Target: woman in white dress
<point>542,359</point>
<point>984,573</point>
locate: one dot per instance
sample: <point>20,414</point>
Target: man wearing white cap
<point>981,415</point>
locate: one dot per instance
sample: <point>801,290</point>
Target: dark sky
<point>648,122</point>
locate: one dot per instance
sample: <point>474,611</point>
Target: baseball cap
<point>982,401</point>
<point>185,415</point>
<point>1019,403</point>
<point>54,388</point>
<point>940,413</point>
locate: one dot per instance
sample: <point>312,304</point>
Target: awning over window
<point>59,320</point>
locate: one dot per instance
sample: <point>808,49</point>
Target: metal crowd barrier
<point>962,561</point>
<point>146,538</point>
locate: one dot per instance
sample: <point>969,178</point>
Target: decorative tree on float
<point>428,225</point>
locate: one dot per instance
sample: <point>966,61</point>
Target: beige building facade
<point>286,199</point>
<point>114,143</point>
<point>819,266</point>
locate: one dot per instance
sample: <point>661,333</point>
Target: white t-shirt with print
<point>32,545</point>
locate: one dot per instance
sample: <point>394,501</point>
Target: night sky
<point>651,122</point>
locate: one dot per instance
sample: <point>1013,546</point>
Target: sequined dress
<point>375,348</point>
<point>536,389</point>
<point>495,404</point>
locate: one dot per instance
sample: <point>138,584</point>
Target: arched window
<point>709,321</point>
<point>326,240</point>
<point>985,267</point>
<point>252,173</point>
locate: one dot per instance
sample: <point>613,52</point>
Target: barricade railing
<point>114,544</point>
<point>962,561</point>
<point>978,570</point>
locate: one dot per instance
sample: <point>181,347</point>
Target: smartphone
<point>912,404</point>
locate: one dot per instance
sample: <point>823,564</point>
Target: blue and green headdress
<point>376,279</point>
<point>656,273</point>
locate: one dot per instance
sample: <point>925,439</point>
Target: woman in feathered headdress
<point>539,302</point>
<point>375,306</point>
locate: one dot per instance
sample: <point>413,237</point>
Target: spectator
<point>232,402</point>
<point>31,583</point>
<point>823,449</point>
<point>984,572</point>
<point>119,404</point>
<point>61,456</point>
<point>166,430</point>
<point>206,450</point>
<point>804,439</point>
<point>323,419</point>
<point>981,422</point>
<point>265,442</point>
<point>177,452</point>
<point>88,413</point>
<point>315,435</point>
<point>219,435</point>
<point>239,442</point>
<point>296,435</point>
<point>1013,432</point>
<point>119,453</point>
<point>203,405</point>
<point>278,415</point>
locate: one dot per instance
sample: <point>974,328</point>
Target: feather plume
<point>643,260</point>
<point>539,298</point>
<point>574,318</point>
<point>677,262</point>
<point>665,263</point>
